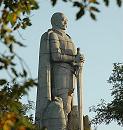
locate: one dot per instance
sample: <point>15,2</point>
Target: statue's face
<point>59,21</point>
<point>62,22</point>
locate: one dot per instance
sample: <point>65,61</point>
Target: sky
<point>101,42</point>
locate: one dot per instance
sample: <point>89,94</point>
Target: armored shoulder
<point>53,36</point>
<point>44,36</point>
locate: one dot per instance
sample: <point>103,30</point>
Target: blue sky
<point>101,42</point>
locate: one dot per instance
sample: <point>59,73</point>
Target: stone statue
<point>58,66</point>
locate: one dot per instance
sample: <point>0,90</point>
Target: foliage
<point>15,15</point>
<point>113,111</point>
<point>12,111</point>
<point>12,121</point>
<point>91,6</point>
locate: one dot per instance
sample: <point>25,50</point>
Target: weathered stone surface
<point>73,119</point>
<point>87,123</point>
<point>57,67</point>
<point>53,116</point>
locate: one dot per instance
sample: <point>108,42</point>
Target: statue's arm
<point>56,54</point>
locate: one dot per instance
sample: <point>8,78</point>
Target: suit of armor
<point>62,57</point>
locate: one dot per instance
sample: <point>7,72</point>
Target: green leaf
<point>14,72</point>
<point>24,73</point>
<point>20,44</point>
<point>29,23</point>
<point>12,57</point>
<point>78,4</point>
<point>80,14</point>
<point>13,64</point>
<point>94,9</point>
<point>11,48</point>
<point>65,0</point>
<point>3,81</point>
<point>11,18</point>
<point>26,19</point>
<point>96,3</point>
<point>53,2</point>
<point>17,26</point>
<point>93,16</point>
<point>119,3</point>
<point>1,67</point>
<point>106,2</point>
<point>1,2</point>
<point>24,25</point>
<point>35,5</point>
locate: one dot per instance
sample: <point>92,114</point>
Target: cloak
<point>44,78</point>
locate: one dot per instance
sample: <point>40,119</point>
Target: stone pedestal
<point>73,119</point>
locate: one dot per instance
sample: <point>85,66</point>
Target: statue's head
<point>59,21</point>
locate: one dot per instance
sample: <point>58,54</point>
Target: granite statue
<point>59,65</point>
